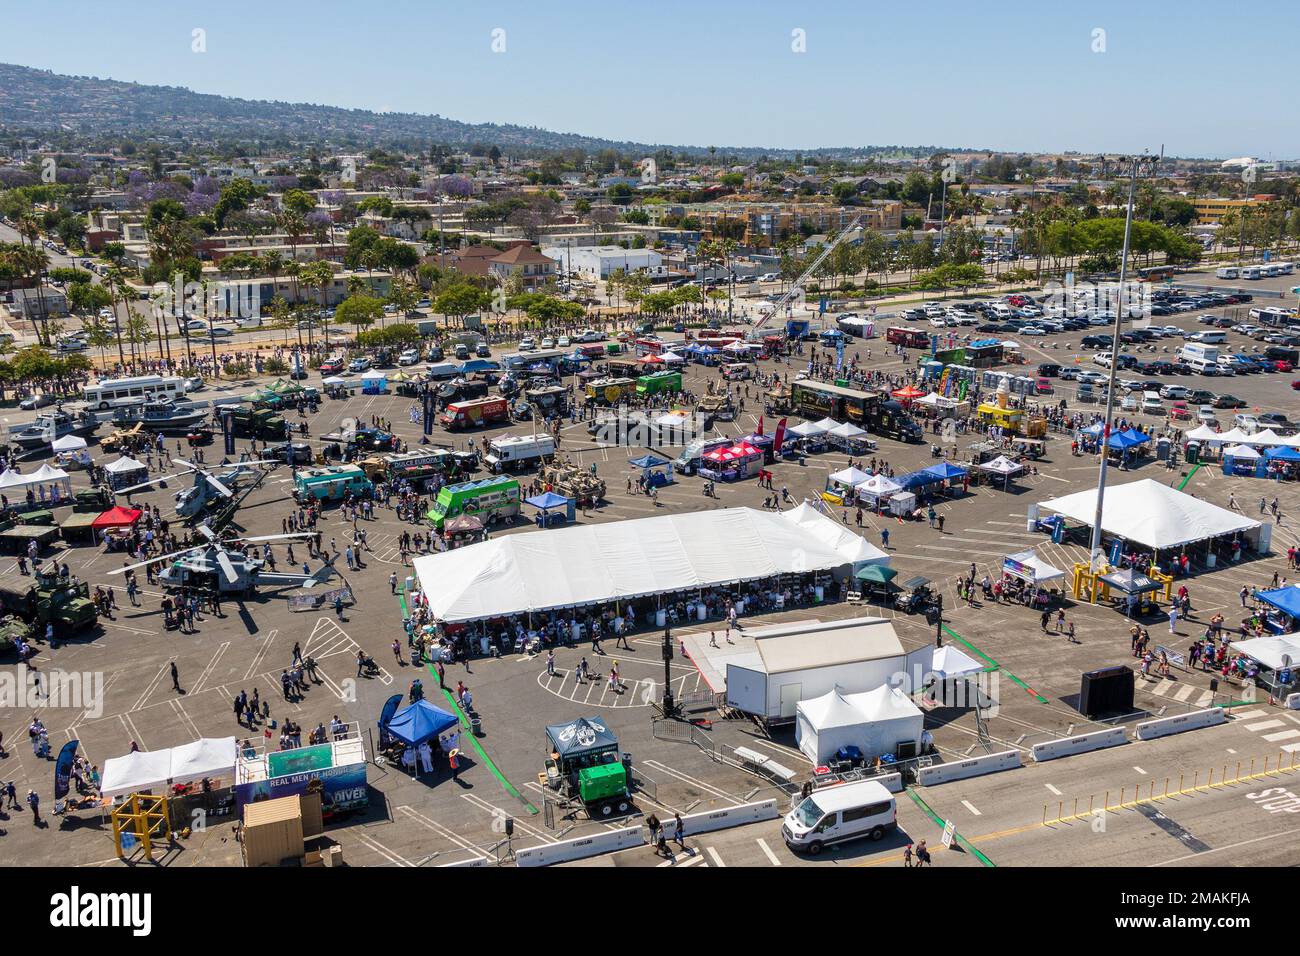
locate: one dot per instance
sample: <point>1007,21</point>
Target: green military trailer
<point>586,768</point>
<point>257,423</point>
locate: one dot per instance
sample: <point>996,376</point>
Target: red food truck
<point>479,411</point>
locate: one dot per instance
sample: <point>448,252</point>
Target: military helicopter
<point>212,566</point>
<point>209,491</point>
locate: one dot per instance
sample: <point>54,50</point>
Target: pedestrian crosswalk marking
<point>1183,693</point>
<point>717,860</point>
<point>1162,688</point>
<point>1205,699</point>
<point>1281,735</point>
<point>1265,725</point>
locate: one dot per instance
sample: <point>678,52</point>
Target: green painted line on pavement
<point>994,665</point>
<point>467,731</point>
<point>1195,468</point>
<point>941,823</point>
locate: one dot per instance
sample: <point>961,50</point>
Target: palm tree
<point>117,288</point>
<point>320,276</point>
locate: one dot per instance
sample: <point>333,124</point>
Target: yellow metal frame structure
<point>145,816</point>
<point>1086,578</point>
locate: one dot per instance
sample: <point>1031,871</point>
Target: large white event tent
<point>1152,514</point>
<point>212,757</point>
<point>876,722</point>
<point>590,564</point>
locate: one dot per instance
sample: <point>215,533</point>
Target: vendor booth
<point>70,451</point>
<point>1025,578</point>
<point>850,437</point>
<point>876,490</point>
<point>114,526</point>
<point>1001,467</point>
<point>655,471</point>
<point>734,463</point>
<point>1274,662</point>
<point>335,769</point>
<point>809,435</point>
<point>1283,609</point>
<point>1240,460</point>
<point>211,758</point>
<point>410,734</point>
<point>845,480</point>
<point>374,383</point>
<point>462,530</point>
<point>125,472</point>
<point>551,508</point>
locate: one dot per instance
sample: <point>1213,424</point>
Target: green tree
<point>359,311</point>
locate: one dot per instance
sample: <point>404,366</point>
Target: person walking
<point>176,678</point>
<point>907,856</point>
<point>1173,618</point>
<point>34,801</point>
<point>677,830</point>
<point>923,855</point>
<point>884,538</point>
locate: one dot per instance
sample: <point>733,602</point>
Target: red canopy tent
<point>737,452</point>
<point>117,517</point>
<point>651,360</point>
<point>909,393</point>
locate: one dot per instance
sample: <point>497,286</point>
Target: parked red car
<point>332,367</point>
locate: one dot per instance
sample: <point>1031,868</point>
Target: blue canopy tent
<point>1094,430</point>
<point>918,479</point>
<point>946,471</point>
<point>655,470</point>
<point>577,358</point>
<point>547,502</point>
<point>1123,441</point>
<point>419,722</point>
<point>704,352</point>
<point>1282,453</point>
<point>1286,600</point>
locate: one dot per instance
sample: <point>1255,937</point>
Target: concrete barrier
<point>711,820</point>
<point>1151,729</point>
<point>893,782</point>
<point>475,861</point>
<point>1079,744</point>
<point>579,848</point>
<point>961,769</point>
<point>1293,701</point>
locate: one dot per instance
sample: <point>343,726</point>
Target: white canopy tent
<point>1271,439</point>
<point>211,757</point>
<point>68,443</point>
<point>847,431</point>
<point>848,477</point>
<point>672,358</point>
<point>825,724</point>
<point>950,662</point>
<point>123,465</point>
<point>1152,514</point>
<point>877,487</point>
<point>1002,465</point>
<point>1027,563</point>
<point>827,424</point>
<point>889,719</point>
<point>806,430</point>
<point>1269,651</point>
<point>1234,437</point>
<point>1241,451</point>
<point>859,551</point>
<point>1202,433</point>
<point>14,479</point>
<point>589,564</point>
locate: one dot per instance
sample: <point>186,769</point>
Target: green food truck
<point>331,483</point>
<point>490,500</point>
<point>659,382</point>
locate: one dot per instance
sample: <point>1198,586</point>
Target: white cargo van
<point>849,811</point>
<point>513,453</point>
<point>442,371</point>
<point>1209,337</point>
<point>1152,404</point>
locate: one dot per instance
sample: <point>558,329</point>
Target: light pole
<point>1094,548</point>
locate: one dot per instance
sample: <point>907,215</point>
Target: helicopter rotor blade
<point>206,532</point>
<point>277,537</point>
<point>141,564</point>
<point>151,481</point>
<point>227,567</point>
<point>222,489</point>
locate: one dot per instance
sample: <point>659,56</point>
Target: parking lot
<point>436,820</point>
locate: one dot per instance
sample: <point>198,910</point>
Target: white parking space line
<point>713,855</point>
<point>767,851</point>
<point>1053,789</point>
<point>1139,770</point>
<point>971,807</point>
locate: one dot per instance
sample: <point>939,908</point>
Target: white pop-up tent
<point>825,724</point>
<point>950,662</point>
<point>1234,437</point>
<point>806,430</point>
<point>1152,514</point>
<point>1202,433</point>
<point>826,424</point>
<point>847,431</point>
<point>877,487</point>
<point>876,722</point>
<point>1029,567</point>
<point>848,477</point>
<point>211,757</point>
<point>1244,452</point>
<point>890,719</point>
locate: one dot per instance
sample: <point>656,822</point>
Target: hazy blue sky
<point>1203,78</point>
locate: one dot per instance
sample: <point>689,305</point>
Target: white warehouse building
<point>600,262</point>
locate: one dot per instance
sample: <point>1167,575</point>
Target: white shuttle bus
<point>111,392</point>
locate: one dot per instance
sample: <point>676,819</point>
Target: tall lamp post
<point>1094,547</point>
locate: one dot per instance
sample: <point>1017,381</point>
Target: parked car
<point>408,357</point>
<point>1229,401</point>
<point>37,401</point>
<point>359,364</point>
